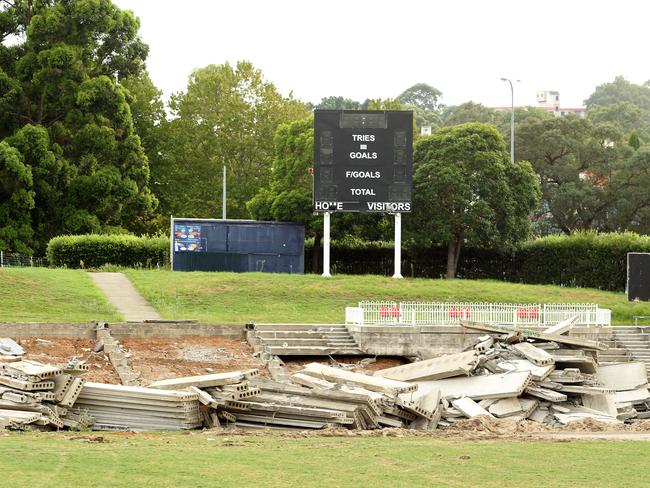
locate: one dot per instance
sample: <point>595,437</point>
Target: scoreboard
<point>363,161</point>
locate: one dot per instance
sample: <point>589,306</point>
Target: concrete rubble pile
<point>545,377</point>
<point>40,395</point>
<point>319,396</point>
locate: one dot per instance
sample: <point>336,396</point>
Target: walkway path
<point>123,296</point>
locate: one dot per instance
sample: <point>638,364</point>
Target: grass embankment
<point>51,295</point>
<point>173,460</point>
<point>260,297</point>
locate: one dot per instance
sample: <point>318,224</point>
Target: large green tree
<point>467,191</point>
<point>227,116</point>
<point>591,178</point>
<point>63,110</point>
<point>623,104</point>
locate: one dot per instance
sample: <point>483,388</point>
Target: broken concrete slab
<point>534,354</point>
<point>504,385</point>
<point>606,404</point>
<point>10,347</point>
<point>539,373</point>
<point>469,407</point>
<point>545,394</point>
<point>623,376</point>
<point>574,341</point>
<point>505,407</point>
<point>447,366</point>
<point>372,383</point>
<point>630,397</point>
<point>562,327</point>
<point>200,381</point>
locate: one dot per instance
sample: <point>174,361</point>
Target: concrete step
<point>301,327</point>
<point>297,342</point>
<point>288,334</point>
<point>632,335</point>
<point>312,351</point>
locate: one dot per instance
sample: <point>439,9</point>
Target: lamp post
<point>512,120</point>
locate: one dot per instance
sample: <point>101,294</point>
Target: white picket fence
<point>447,313</point>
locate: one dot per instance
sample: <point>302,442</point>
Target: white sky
<point>375,49</point>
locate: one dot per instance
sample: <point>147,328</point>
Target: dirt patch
<point>154,359</point>
<point>157,359</point>
<point>59,351</point>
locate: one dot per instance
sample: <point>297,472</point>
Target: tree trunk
<point>315,255</point>
<point>453,254</point>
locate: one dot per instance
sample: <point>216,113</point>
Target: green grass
<point>206,460</point>
<point>260,297</point>
<point>51,295</point>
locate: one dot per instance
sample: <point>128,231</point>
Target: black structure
<point>363,161</point>
<point>638,276</point>
<point>237,245</point>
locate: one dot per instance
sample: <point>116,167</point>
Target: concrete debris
<point>9,347</point>
<point>462,363</point>
<point>39,396</point>
<point>548,377</point>
<point>562,327</point>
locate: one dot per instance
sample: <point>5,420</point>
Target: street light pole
<point>512,120</point>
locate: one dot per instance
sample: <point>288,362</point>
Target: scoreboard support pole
<point>326,244</point>
<point>398,246</point>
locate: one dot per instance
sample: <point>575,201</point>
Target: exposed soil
<point>154,359</point>
<point>59,351</point>
<point>157,359</point>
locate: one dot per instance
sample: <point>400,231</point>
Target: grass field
<point>59,295</point>
<point>206,460</point>
<point>51,295</point>
<point>240,297</point>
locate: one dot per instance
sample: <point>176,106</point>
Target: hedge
<point>587,259</point>
<point>95,250</point>
<point>583,259</point>
<point>418,262</point>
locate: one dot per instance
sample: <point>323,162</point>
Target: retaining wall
<point>432,340</point>
<point>128,330</point>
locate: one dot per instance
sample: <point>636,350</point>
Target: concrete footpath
<point>123,296</point>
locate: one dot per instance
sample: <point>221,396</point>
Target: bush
<point>95,250</point>
<point>420,262</point>
<point>583,259</point>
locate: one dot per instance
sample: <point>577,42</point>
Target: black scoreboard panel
<point>363,161</point>
<point>638,276</point>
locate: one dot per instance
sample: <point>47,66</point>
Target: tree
<point>227,116</point>
<point>423,96</point>
<point>16,200</point>
<point>63,109</point>
<point>338,103</point>
<point>468,112</point>
<point>623,103</point>
<point>591,178</point>
<point>467,191</point>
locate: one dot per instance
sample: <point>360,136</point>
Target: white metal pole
<point>398,246</point>
<point>223,203</point>
<point>326,245</point>
<point>171,242</point>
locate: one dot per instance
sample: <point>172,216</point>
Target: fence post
<point>2,259</point>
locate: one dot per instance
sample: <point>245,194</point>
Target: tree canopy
<point>227,116</point>
<point>66,118</point>
<point>467,191</point>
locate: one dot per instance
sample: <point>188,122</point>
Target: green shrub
<point>583,259</point>
<point>95,250</point>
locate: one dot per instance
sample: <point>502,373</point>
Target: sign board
<point>638,276</point>
<point>363,161</point>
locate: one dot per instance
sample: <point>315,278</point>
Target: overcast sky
<point>375,49</point>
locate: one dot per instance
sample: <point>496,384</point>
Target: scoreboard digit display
<point>363,161</point>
